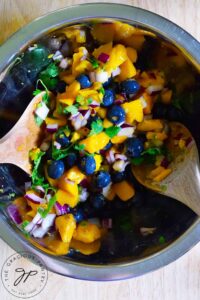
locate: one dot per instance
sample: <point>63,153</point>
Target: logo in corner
<point>24,275</point>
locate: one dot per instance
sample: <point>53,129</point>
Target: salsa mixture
<point>96,121</point>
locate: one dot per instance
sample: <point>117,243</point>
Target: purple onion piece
<point>164,163</point>
<point>14,213</point>
<point>61,209</point>
<point>103,57</point>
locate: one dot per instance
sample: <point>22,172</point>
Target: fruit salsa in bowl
<point>108,91</point>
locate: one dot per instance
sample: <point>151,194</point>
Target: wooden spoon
<point>24,136</point>
<point>183,184</point>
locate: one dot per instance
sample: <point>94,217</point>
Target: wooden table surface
<point>181,279</point>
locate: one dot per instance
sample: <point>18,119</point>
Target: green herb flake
<point>162,240</point>
<point>38,120</point>
<point>37,92</point>
<point>79,147</point>
<point>23,225</point>
<point>112,131</point>
<point>97,127</point>
<point>44,212</point>
<point>37,178</point>
<point>49,76</point>
<point>94,62</point>
<point>102,91</point>
<point>58,154</point>
<point>89,101</point>
<point>136,161</point>
<point>152,151</point>
<point>80,99</point>
<point>71,109</point>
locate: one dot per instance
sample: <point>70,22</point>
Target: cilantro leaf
<point>94,62</point>
<point>37,92</point>
<point>52,70</point>
<point>97,127</point>
<point>49,76</point>
<point>60,153</point>
<point>152,151</point>
<point>38,120</point>
<point>102,91</point>
<point>79,147</point>
<point>136,161</point>
<point>36,176</point>
<point>112,131</point>
<point>44,212</point>
<point>23,225</point>
<point>80,99</point>
<point>71,109</point>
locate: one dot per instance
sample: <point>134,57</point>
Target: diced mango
<point>60,122</point>
<point>133,110</point>
<point>34,206</point>
<point>87,232</point>
<point>127,70</point>
<point>150,125</point>
<point>68,186</point>
<point>118,139</point>
<point>117,57</point>
<point>56,245</point>
<point>135,41</point>
<point>73,89</point>
<point>102,112</point>
<point>107,123</point>
<point>149,103</point>
<point>64,197</point>
<point>124,190</point>
<point>74,174</point>
<point>98,159</point>
<point>75,137</point>
<point>85,249</point>
<point>132,54</point>
<point>68,78</point>
<point>156,136</point>
<point>156,172</point>
<point>95,142</point>
<point>159,173</point>
<point>106,48</point>
<point>98,32</point>
<point>123,31</point>
<point>66,225</point>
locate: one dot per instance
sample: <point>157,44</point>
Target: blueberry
<point>107,83</point>
<point>102,179</point>
<point>56,169</point>
<point>130,86</point>
<point>71,159</point>
<point>87,165</point>
<point>108,146</point>
<point>84,81</point>
<point>108,98</point>
<point>98,201</point>
<point>116,114</point>
<point>134,147</point>
<point>63,140</point>
<point>61,86</point>
<point>118,176</point>
<point>78,214</point>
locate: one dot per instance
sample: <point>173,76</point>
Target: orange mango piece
<point>118,55</point>
<point>102,112</point>
<point>87,232</point>
<point>56,245</point>
<point>60,122</point>
<point>150,125</point>
<point>106,48</point>
<point>74,174</point>
<point>123,31</point>
<point>84,248</point>
<point>64,197</point>
<point>132,54</point>
<point>107,123</point>
<point>133,110</point>
<point>127,70</point>
<point>135,41</point>
<point>95,142</point>
<point>149,102</point>
<point>98,32</point>
<point>124,190</point>
<point>118,139</point>
<point>68,186</point>
<point>66,225</point>
<point>72,90</point>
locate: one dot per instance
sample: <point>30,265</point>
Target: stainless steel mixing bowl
<point>124,267</point>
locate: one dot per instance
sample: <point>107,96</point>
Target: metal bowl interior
<point>124,253</point>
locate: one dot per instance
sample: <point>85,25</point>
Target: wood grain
<point>179,280</point>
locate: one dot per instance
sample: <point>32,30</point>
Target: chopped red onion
<point>126,125</point>
<point>14,213</point>
<point>106,190</point>
<point>188,141</point>
<point>107,223</point>
<point>42,111</point>
<point>121,156</point>
<point>34,198</point>
<point>40,189</point>
<point>84,183</point>
<point>116,72</point>
<point>61,209</point>
<point>110,156</point>
<point>39,232</point>
<point>164,163</point>
<point>57,145</point>
<point>51,128</point>
<point>127,131</point>
<point>94,104</point>
<point>64,63</point>
<point>48,221</point>
<point>103,57</point>
<point>120,165</point>
<point>119,101</point>
<point>57,56</point>
<point>83,195</point>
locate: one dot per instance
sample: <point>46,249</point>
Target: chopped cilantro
<point>161,239</point>
<point>37,178</point>
<point>94,62</point>
<point>23,225</point>
<point>112,131</point>
<point>152,151</point>
<point>89,101</point>
<point>44,212</point>
<point>79,147</point>
<point>97,127</point>
<point>102,91</point>
<point>60,153</point>
<point>137,160</point>
<point>52,70</point>
<point>71,109</point>
<point>80,99</point>
<point>49,76</point>
<point>37,92</point>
